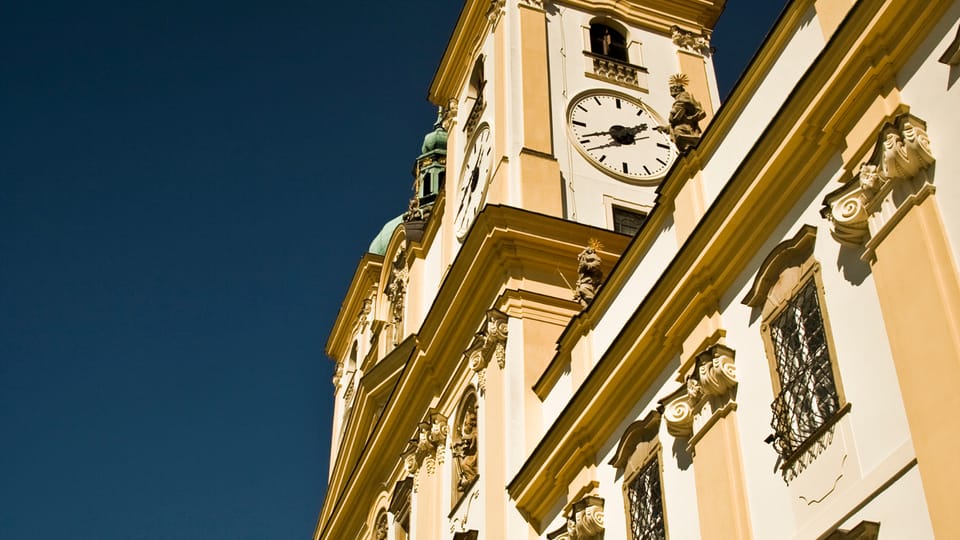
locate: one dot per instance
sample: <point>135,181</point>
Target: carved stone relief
<point>707,390</point>
<point>585,521</point>
<point>894,178</point>
<point>495,12</point>
<point>488,344</point>
<point>396,291</point>
<point>426,450</point>
<point>691,41</point>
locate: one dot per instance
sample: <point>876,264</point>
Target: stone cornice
<point>365,278</point>
<point>725,240</point>
<point>355,439</point>
<point>660,15</point>
<point>455,65</point>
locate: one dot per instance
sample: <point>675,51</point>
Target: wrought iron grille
<point>808,395</point>
<point>646,506</point>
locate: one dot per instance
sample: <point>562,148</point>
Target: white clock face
<point>473,180</point>
<point>618,134</point>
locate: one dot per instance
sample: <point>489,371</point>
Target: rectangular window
<point>807,397</point>
<point>645,503</point>
<point>627,221</point>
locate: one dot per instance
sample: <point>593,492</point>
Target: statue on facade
<point>685,115</point>
<point>590,273</point>
<point>465,450</point>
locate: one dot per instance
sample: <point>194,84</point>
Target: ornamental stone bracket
<point>894,178</point>
<point>585,521</point>
<point>427,448</point>
<point>691,41</point>
<point>490,343</point>
<point>707,395</point>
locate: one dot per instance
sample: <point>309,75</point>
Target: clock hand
<point>625,135</point>
<point>595,133</point>
<point>614,143</point>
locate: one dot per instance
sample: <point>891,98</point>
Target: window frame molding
<point>788,268</point>
<point>639,445</point>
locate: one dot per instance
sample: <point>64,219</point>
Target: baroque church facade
<point>617,309</point>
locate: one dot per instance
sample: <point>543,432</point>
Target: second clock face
<point>473,180</point>
<point>618,134</point>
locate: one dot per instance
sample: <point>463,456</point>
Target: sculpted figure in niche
<point>685,115</point>
<point>465,451</point>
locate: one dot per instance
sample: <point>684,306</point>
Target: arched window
<point>605,40</point>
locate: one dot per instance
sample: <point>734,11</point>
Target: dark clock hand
<point>614,143</point>
<point>625,135</point>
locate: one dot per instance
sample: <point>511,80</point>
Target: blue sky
<point>185,190</point>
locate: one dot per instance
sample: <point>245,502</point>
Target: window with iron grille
<point>807,398</point>
<point>645,503</point>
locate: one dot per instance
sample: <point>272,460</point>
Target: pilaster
<point>703,411</point>
<point>889,210</point>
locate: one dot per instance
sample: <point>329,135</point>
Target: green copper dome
<point>436,139</point>
<point>382,240</point>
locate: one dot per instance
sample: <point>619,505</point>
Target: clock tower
<point>554,106</point>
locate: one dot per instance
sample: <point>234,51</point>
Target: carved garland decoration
<point>892,179</point>
<point>427,448</point>
<point>708,388</point>
<point>691,41</point>
<point>489,343</point>
<point>396,291</point>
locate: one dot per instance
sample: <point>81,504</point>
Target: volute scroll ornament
<point>709,386</point>
<point>894,177</point>
<point>586,520</point>
<point>427,448</point>
<point>490,343</point>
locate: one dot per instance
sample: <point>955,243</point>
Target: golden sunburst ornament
<point>679,79</point>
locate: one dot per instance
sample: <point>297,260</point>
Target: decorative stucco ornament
<point>691,41</point>
<point>490,343</point>
<point>709,386</point>
<point>892,179</point>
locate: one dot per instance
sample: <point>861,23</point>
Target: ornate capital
<point>586,519</point>
<point>692,42</point>
<point>707,389</point>
<point>427,448</point>
<point>495,13</point>
<point>489,343</point>
<point>888,183</point>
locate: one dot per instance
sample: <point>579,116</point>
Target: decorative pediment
<point>887,184</point>
<point>644,430</point>
<point>488,344</point>
<point>707,390</point>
